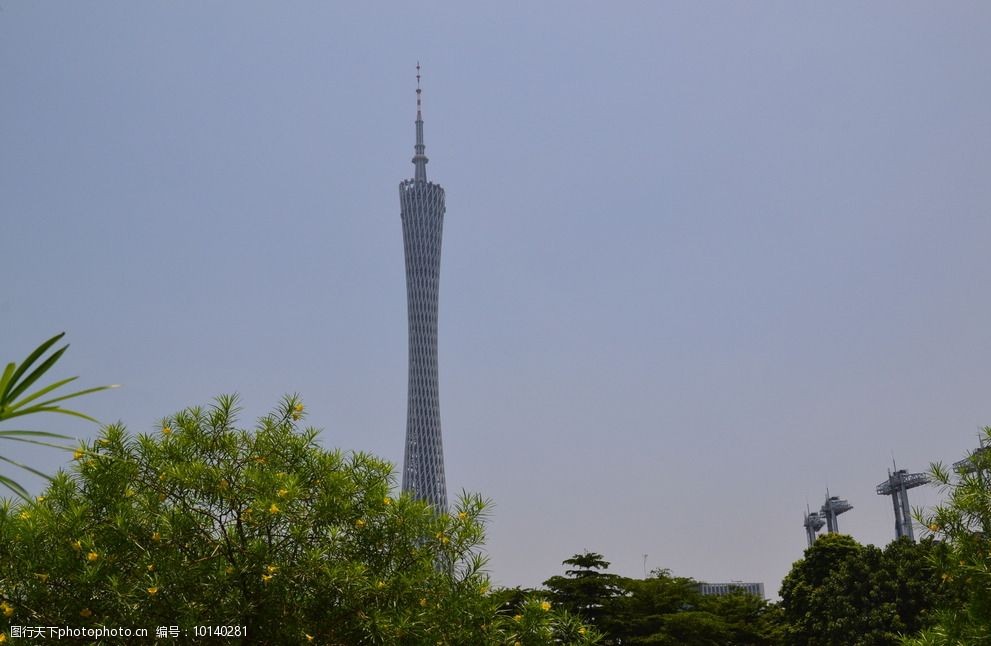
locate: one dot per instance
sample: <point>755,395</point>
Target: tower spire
<point>419,158</point>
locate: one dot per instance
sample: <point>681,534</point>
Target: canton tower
<point>422,211</point>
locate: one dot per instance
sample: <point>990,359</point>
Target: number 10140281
<point>220,631</point>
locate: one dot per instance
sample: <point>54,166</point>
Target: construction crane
<point>833,507</point>
<point>897,486</point>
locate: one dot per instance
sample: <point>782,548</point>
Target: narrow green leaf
<point>26,468</point>
<point>95,389</point>
<point>54,446</point>
<point>16,488</point>
<point>40,350</point>
<point>19,433</point>
<point>51,409</point>
<point>35,375</point>
<point>38,393</point>
<point>5,379</point>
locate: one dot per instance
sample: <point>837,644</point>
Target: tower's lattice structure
<point>422,211</point>
<point>897,486</point>
<point>833,507</point>
<point>813,522</point>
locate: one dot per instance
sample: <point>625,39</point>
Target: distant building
<point>719,589</point>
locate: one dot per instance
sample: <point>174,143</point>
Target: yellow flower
<point>24,515</point>
<point>462,515</point>
<point>155,536</point>
<point>272,569</point>
<point>297,411</point>
<point>274,509</point>
<point>283,492</point>
<point>8,610</point>
<point>387,500</point>
<point>308,636</point>
<point>380,585</point>
<point>229,570</point>
<point>167,430</point>
<point>151,567</point>
<point>77,545</point>
<point>3,638</point>
<point>153,590</point>
<point>517,618</point>
<point>41,576</point>
<point>442,537</point>
<point>85,612</point>
<point>78,454</point>
<point>359,523</point>
<point>128,492</point>
<point>40,499</point>
<point>266,578</point>
<point>260,459</point>
<point>934,527</point>
<point>545,605</point>
<point>92,556</point>
<point>582,631</point>
<point>423,602</point>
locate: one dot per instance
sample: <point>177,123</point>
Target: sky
<point>701,260</point>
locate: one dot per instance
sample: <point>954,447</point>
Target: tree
<point>749,619</point>
<point>845,593</point>
<point>642,613</point>
<point>661,609</point>
<point>963,523</point>
<point>585,588</point>
<point>664,609</point>
<point>15,401</point>
<point>203,523</point>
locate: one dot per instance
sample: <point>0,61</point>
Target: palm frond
<point>16,401</point>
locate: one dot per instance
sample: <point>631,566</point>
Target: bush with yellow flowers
<point>962,523</point>
<point>202,523</point>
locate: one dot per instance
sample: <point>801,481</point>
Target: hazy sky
<point>701,260</point>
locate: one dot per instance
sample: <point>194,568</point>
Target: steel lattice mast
<point>422,211</point>
<point>833,507</point>
<point>813,522</point>
<point>897,486</point>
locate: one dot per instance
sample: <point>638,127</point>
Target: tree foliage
<point>963,523</point>
<point>17,401</point>
<point>661,609</point>
<point>843,593</point>
<point>586,587</point>
<point>202,522</point>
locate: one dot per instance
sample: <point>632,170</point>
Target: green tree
<point>670,610</point>
<point>642,613</point>
<point>749,619</point>
<point>202,522</point>
<point>586,587</point>
<point>845,593</point>
<point>662,609</point>
<point>963,523</point>
<point>16,401</point>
